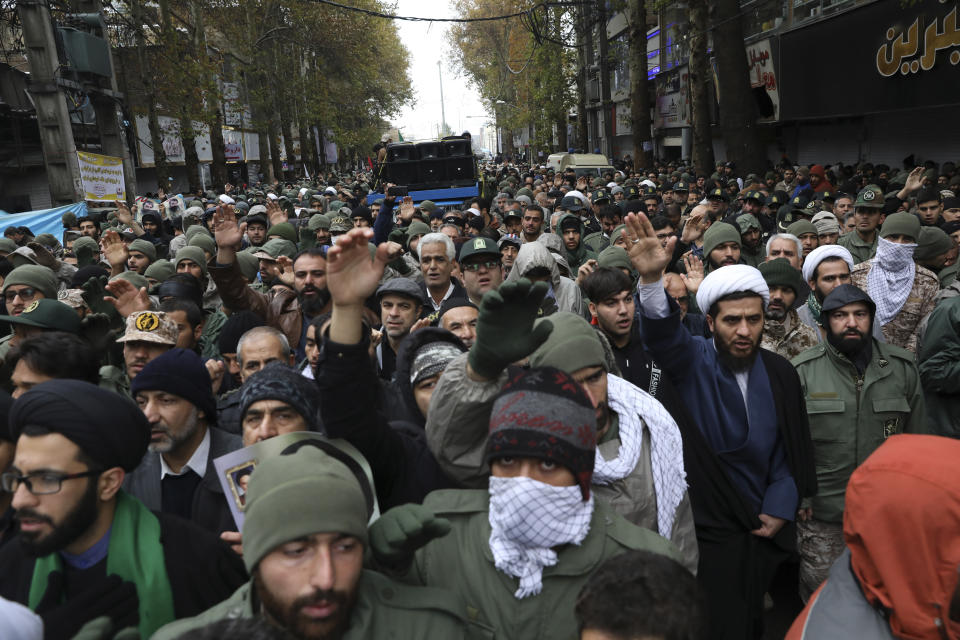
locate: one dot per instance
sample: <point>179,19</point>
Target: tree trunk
<point>191,160</point>
<point>562,140</point>
<point>150,96</point>
<point>266,166</point>
<point>738,112</point>
<point>639,93</point>
<point>277,163</point>
<point>699,69</point>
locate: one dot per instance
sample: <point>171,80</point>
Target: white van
<point>584,164</point>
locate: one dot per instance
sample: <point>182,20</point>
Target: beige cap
<point>150,326</point>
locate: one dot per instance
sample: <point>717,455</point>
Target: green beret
<point>933,242</point>
<point>160,270</point>
<point>801,227</point>
<point>193,230</point>
<point>283,230</point>
<point>573,344</point>
<point>37,276</point>
<point>192,253</point>
<point>86,241</point>
<point>203,241</point>
<point>133,278</point>
<point>780,273</point>
<point>615,257</point>
<point>249,265</point>
<point>902,223</point>
<point>297,495</point>
<point>717,234</point>
<point>145,247</point>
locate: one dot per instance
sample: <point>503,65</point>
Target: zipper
<point>859,389</point>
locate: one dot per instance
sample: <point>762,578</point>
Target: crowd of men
<point>610,407</point>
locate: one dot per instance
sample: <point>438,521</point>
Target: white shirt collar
<point>436,306</point>
<point>197,462</point>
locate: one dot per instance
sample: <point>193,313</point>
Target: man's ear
<point>710,323</point>
<point>109,483</point>
<point>593,309</point>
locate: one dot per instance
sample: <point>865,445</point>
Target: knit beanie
<point>277,381</point>
<point>800,227</point>
<point>194,230</point>
<point>933,242</point>
<point>431,359</point>
<point>572,345</point>
<point>236,325</point>
<point>297,495</point>
<point>39,277</point>
<point>205,242</point>
<point>160,270</point>
<point>85,241</point>
<point>145,247</point>
<point>249,265</point>
<point>7,245</point>
<point>902,223</point>
<point>717,234</point>
<point>318,221</point>
<point>780,273</point>
<point>615,257</point>
<point>194,253</point>
<point>416,229</point>
<point>180,372</point>
<point>284,230</point>
<point>747,221</point>
<point>133,278</point>
<point>543,413</point>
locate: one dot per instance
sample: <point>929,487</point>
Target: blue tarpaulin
<point>43,220</point>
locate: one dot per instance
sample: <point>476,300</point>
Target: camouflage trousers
<point>820,544</point>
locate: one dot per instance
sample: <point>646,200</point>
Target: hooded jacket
<point>899,573</point>
<point>565,291</point>
<point>582,253</point>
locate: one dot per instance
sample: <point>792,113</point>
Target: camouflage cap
<point>747,221</point>
<point>72,298</point>
<point>150,326</point>
<point>871,197</point>
<point>340,224</point>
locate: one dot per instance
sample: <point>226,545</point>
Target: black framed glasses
<point>26,294</point>
<point>42,483</point>
<point>475,266</point>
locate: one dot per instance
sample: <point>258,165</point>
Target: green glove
<point>399,236</point>
<point>308,238</point>
<point>398,533</point>
<point>84,257</point>
<point>505,331</point>
<point>94,290</point>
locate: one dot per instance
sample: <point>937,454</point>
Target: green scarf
<point>134,554</point>
<point>814,306</point>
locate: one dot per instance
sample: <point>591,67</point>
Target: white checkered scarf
<point>527,519</point>
<point>890,278</point>
<point>634,406</point>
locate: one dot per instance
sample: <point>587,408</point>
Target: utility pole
<point>443,112</point>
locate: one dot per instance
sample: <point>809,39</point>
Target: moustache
<point>318,597</point>
<point>32,515</point>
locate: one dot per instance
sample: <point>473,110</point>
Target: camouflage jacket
<point>902,331</point>
<point>788,338</point>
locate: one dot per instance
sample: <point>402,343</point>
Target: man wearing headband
<point>749,406</point>
<point>86,548</point>
<point>304,537</point>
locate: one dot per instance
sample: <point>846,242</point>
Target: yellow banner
<point>102,177</point>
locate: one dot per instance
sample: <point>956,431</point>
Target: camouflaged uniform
<point>902,331</point>
<point>788,338</point>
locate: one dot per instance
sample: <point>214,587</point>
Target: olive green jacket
<point>461,562</point>
<point>384,609</point>
<point>860,250</point>
<point>851,415</point>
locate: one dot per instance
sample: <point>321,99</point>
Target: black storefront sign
<point>884,56</point>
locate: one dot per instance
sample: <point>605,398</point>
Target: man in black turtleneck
<point>858,392</point>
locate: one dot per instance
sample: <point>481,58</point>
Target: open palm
<point>646,253</point>
<point>352,276</point>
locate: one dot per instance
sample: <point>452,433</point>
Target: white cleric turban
<point>730,279</point>
<point>818,255</point>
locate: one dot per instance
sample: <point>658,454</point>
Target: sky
<point>426,42</point>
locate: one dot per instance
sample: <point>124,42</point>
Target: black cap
<point>846,294</point>
<point>571,203</point>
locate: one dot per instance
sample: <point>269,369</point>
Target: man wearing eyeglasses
<point>85,547</point>
<point>482,268</point>
<point>21,288</point>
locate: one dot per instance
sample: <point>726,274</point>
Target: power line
<point>508,16</point>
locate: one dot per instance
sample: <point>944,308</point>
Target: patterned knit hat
<point>543,413</point>
<point>277,381</point>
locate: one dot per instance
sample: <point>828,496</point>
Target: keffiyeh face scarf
<point>528,518</point>
<point>891,278</point>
